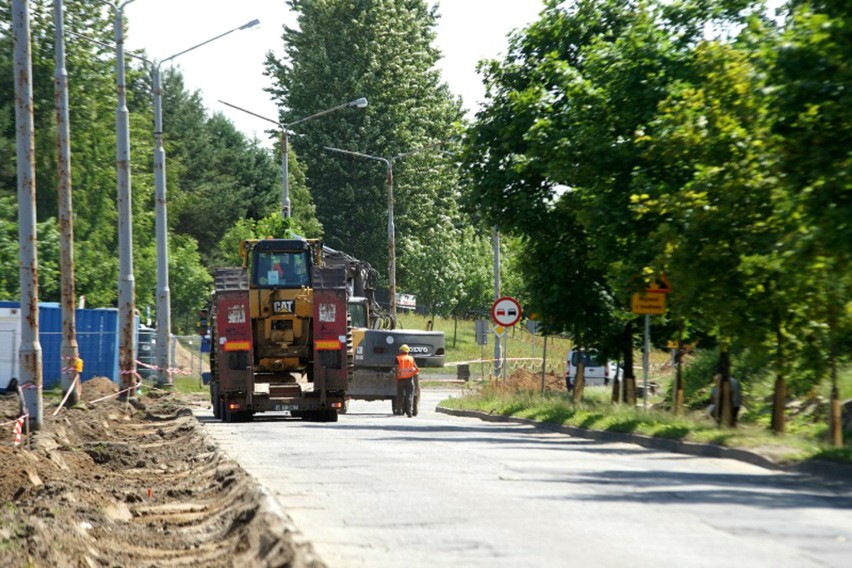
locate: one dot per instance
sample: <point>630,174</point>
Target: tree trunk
<point>779,404</point>
<point>779,398</point>
<point>629,393</point>
<point>835,422</point>
<point>580,380</point>
<point>724,408</point>
<point>679,386</point>
<point>616,385</point>
<point>835,413</point>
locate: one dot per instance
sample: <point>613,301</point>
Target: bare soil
<point>525,380</point>
<point>117,484</point>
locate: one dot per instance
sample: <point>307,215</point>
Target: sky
<point>231,68</point>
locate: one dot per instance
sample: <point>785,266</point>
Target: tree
<point>815,121</point>
<point>569,108</point>
<point>92,124</point>
<point>382,51</point>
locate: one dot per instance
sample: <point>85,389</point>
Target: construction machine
<point>376,338</point>
<point>297,328</point>
<point>280,336</point>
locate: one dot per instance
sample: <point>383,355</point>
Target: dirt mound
<point>98,387</point>
<point>112,484</point>
<point>524,380</point>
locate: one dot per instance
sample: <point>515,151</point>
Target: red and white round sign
<point>506,311</point>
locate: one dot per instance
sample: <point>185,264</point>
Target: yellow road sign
<point>649,304</point>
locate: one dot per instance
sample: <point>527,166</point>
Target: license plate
<point>283,407</point>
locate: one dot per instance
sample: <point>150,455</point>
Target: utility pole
<point>286,209</point>
<point>30,353</point>
<point>126,280</point>
<point>69,350</point>
<point>495,241</point>
<point>164,309</point>
<point>388,163</point>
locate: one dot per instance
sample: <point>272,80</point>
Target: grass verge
<point>598,413</point>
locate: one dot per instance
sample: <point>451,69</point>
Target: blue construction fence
<point>97,339</point>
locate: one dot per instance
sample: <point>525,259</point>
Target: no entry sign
<point>506,311</point>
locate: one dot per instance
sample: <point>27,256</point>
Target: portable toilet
<point>146,352</point>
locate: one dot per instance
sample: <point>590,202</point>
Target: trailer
<point>280,336</point>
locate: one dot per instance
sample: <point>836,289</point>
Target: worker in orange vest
<point>406,371</point>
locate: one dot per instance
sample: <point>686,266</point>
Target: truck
<point>297,328</point>
<point>280,336</point>
<point>376,338</point>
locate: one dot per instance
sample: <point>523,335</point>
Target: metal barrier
<point>192,344</point>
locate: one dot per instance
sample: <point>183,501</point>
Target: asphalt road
<point>379,490</point>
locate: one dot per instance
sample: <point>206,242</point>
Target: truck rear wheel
<point>239,416</point>
<point>322,415</point>
<point>228,415</point>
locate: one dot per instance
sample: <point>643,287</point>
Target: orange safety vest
<point>405,367</point>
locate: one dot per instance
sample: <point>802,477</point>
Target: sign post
<point>505,312</point>
<point>650,302</point>
<point>482,341</point>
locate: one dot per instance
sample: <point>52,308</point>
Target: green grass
<point>596,412</point>
<point>460,343</point>
<point>186,384</point>
<point>190,384</point>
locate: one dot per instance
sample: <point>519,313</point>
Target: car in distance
<point>598,371</point>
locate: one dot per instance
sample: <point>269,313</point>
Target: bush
<point>697,377</point>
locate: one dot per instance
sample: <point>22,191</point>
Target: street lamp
<point>164,312</point>
<point>29,354</point>
<point>285,198</point>
<point>388,162</point>
<point>126,281</point>
<point>69,347</point>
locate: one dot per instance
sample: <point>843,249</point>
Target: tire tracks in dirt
<point>112,484</point>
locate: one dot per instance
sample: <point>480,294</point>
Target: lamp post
<point>126,281</point>
<point>29,354</point>
<point>164,312</point>
<point>69,346</point>
<point>388,163</point>
<point>285,198</point>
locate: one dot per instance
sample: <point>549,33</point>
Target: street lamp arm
<point>275,122</point>
<point>116,5</point>
<point>285,197</point>
<point>385,161</point>
<point>245,26</point>
<point>357,103</point>
<point>108,46</point>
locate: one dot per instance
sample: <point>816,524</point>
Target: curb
<point>819,468</point>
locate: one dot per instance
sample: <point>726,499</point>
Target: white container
<point>10,341</point>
